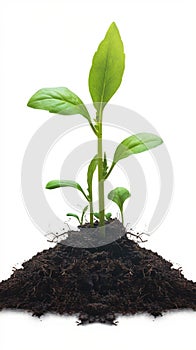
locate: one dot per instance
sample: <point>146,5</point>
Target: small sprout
<point>107,216</point>
<point>119,196</point>
<point>77,217</point>
<point>83,213</point>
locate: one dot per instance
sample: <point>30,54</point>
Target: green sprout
<point>80,220</point>
<point>107,216</point>
<point>119,196</point>
<point>104,80</point>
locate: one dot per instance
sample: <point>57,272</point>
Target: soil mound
<point>97,284</point>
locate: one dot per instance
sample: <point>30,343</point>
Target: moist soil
<point>98,284</point>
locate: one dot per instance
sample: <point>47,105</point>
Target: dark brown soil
<point>97,284</point>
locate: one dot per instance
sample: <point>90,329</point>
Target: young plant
<point>107,216</point>
<point>119,196</point>
<point>104,80</point>
<point>80,220</point>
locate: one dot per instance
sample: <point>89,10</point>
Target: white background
<point>51,43</point>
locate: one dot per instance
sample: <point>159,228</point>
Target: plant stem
<point>122,216</point>
<point>91,213</point>
<point>100,172</point>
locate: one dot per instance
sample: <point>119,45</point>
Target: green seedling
<point>104,80</point>
<point>119,196</point>
<point>107,216</point>
<point>80,220</point>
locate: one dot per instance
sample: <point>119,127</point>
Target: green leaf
<point>119,195</point>
<point>96,215</point>
<point>90,173</point>
<point>58,100</point>
<point>74,215</point>
<point>136,144</point>
<point>107,68</point>
<point>108,216</point>
<point>65,183</point>
<point>83,213</point>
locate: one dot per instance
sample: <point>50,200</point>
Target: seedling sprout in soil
<point>104,80</point>
<point>97,283</point>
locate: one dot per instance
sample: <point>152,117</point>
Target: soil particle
<point>98,284</point>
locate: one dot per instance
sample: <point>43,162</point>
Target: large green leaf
<point>107,68</point>
<point>58,100</point>
<point>90,173</point>
<point>65,183</point>
<point>119,195</point>
<point>136,144</point>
